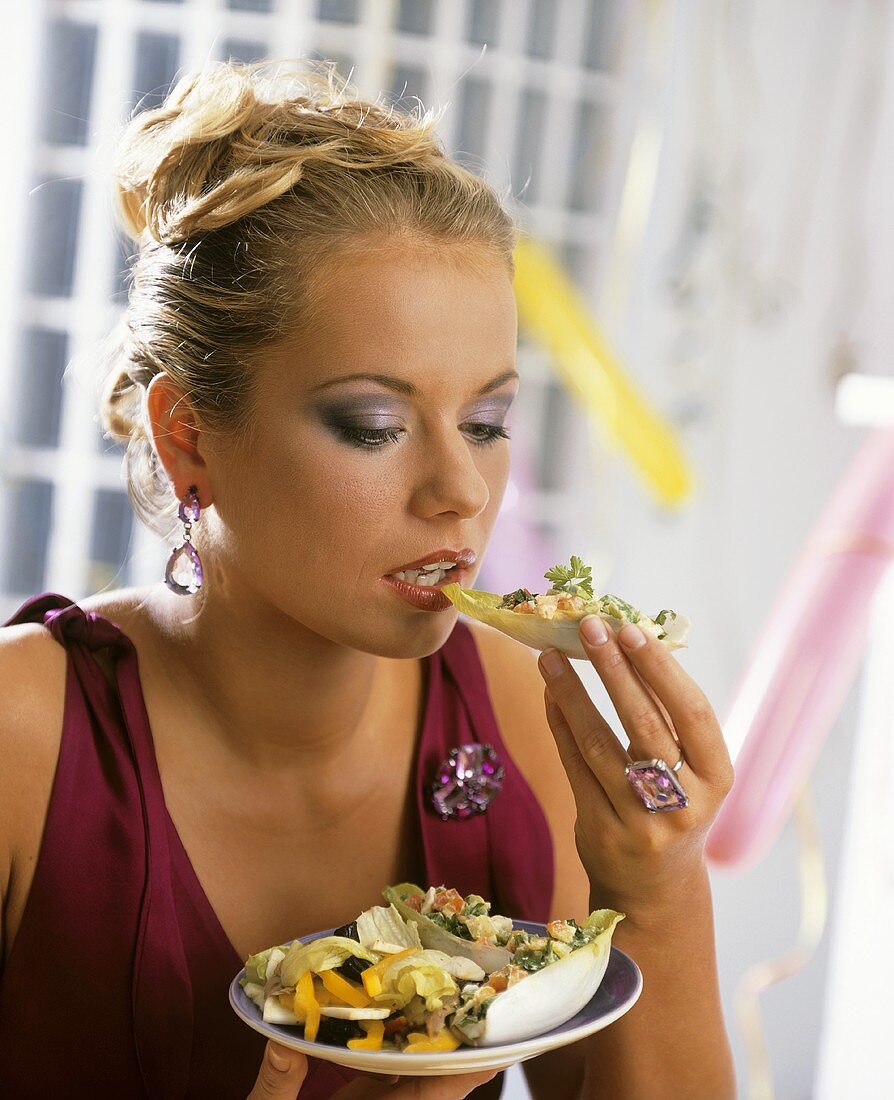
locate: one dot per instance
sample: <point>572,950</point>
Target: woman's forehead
<point>385,310</point>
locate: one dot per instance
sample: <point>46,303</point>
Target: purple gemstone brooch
<point>467,781</point>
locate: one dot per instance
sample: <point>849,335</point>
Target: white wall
<point>767,98</point>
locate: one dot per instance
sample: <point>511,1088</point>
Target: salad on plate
<point>429,972</point>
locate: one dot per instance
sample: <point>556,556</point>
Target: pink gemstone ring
<point>657,784</point>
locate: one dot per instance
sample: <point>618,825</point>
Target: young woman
<point>312,378</point>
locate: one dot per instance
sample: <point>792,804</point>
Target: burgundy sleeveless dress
<point>117,981</point>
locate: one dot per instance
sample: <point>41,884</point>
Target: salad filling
<point>378,983</point>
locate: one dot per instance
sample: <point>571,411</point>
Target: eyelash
<point>359,437</point>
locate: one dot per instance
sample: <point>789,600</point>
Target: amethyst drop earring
<point>183,573</point>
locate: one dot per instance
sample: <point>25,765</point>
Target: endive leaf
<point>489,957</point>
<point>546,998</point>
<point>561,632</point>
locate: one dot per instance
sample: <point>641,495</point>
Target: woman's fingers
<point>604,754</point>
<point>642,719</point>
<point>281,1074</point>
<point>453,1087</point>
<point>584,784</point>
<point>693,717</point>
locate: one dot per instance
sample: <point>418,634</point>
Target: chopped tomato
<point>449,901</point>
<point>414,901</point>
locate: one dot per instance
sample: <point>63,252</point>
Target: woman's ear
<point>176,434</point>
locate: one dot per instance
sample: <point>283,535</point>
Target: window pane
<point>66,79</point>
<point>474,110</point>
<point>414,16</point>
<point>55,206</point>
<point>156,59</point>
<point>38,395</point>
<point>600,35</point>
<point>337,11</point>
<point>29,507</point>
<point>344,63</point>
<point>558,412</point>
<point>250,5</point>
<point>541,24</point>
<point>110,540</point>
<point>531,121</point>
<point>408,81</point>
<point>481,25</point>
<point>242,49</point>
<point>590,159</point>
<point>577,259</point>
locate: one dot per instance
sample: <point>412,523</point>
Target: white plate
<point>618,993</point>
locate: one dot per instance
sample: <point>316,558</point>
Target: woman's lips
<point>427,597</point>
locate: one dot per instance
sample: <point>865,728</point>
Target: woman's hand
<point>636,861</point>
<point>283,1071</point>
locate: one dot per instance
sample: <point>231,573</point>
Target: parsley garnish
<point>577,578</point>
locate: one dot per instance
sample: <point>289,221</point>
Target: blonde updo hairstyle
<point>236,189</point>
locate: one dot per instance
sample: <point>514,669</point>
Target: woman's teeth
<point>427,575</point>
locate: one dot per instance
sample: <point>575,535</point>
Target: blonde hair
<point>236,189</point>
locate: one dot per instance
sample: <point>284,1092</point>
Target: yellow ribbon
<point>551,308</point>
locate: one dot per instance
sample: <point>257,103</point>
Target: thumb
<point>281,1075</point>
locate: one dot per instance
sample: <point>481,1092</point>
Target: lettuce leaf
<point>415,974</point>
<point>325,953</point>
<point>384,922</point>
<point>256,965</point>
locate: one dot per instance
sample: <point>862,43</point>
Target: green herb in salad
<point>520,595</point>
<point>575,581</point>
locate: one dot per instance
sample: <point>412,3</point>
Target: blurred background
<point>713,177</point>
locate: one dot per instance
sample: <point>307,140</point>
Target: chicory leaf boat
<point>550,620</point>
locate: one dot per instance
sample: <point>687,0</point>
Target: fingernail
<point>632,636</point>
<point>277,1060</point>
<point>553,662</point>
<point>594,630</point>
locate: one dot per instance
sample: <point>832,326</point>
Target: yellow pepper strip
<point>372,976</point>
<point>307,1005</point>
<point>419,1042</point>
<point>375,1031</point>
<point>344,990</point>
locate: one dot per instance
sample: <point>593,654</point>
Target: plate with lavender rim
<point>618,992</point>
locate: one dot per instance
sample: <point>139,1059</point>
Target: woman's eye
<point>372,438</point>
<point>369,437</point>
<point>490,433</point>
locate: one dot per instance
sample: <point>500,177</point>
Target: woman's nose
<point>448,480</point>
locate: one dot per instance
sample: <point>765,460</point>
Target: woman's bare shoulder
<point>33,670</point>
<point>32,703</point>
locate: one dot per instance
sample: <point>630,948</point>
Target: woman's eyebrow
<point>405,387</point>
